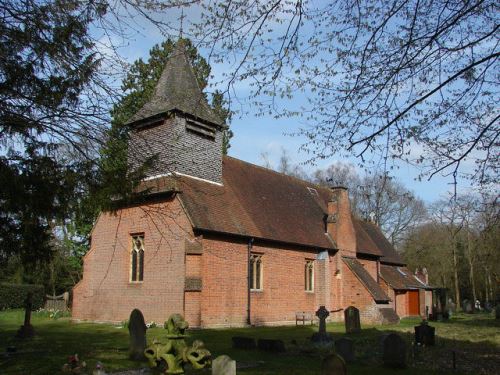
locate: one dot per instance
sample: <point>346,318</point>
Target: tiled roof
<point>177,89</point>
<point>371,285</point>
<point>258,202</point>
<point>389,254</point>
<point>400,278</point>
<point>364,243</point>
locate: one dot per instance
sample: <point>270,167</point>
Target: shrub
<point>13,296</point>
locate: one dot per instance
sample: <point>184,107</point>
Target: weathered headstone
<point>27,330</point>
<point>223,365</point>
<point>497,311</point>
<point>425,334</point>
<point>351,320</point>
<point>321,335</point>
<point>137,332</point>
<point>394,351</point>
<point>468,307</point>
<point>240,342</point>
<point>271,345</point>
<point>333,365</point>
<point>345,348</point>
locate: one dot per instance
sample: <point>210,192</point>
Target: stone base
<point>322,337</point>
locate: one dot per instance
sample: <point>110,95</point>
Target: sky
<point>255,135</point>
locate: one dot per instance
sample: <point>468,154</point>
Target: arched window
<point>137,258</point>
<point>256,272</point>
<point>309,275</point>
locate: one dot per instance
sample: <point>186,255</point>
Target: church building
<point>228,243</point>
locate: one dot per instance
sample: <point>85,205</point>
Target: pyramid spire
<point>177,90</point>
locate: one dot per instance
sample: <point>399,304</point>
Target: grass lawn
<point>474,338</point>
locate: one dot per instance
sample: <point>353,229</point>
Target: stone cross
<point>322,314</point>
<point>321,335</point>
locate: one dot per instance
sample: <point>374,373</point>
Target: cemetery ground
<point>475,339</point>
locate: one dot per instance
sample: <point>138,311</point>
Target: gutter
<point>249,279</point>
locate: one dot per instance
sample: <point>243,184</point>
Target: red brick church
<point>228,243</point>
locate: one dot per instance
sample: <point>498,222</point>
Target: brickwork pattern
<point>105,292</point>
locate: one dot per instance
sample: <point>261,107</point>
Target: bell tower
<point>176,128</point>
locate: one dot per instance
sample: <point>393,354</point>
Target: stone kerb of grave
<point>425,334</point>
<point>240,342</point>
<point>352,320</point>
<point>271,345</point>
<point>137,332</point>
<point>394,354</point>
<point>223,365</point>
<point>345,348</point>
<point>333,365</point>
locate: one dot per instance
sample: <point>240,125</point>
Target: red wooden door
<point>413,307</point>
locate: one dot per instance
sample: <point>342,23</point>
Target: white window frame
<point>137,250</point>
<point>256,284</point>
<point>309,276</point>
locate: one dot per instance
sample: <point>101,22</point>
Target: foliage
<point>376,197</point>
<point>411,80</point>
<point>13,296</point>
<point>460,247</point>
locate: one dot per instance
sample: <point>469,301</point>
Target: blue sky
<point>256,135</point>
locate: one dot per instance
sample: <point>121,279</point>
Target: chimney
<point>422,275</point>
<point>339,223</point>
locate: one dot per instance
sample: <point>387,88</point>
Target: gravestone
<point>425,334</point>
<point>27,330</point>
<point>351,320</point>
<point>345,348</point>
<point>333,365</point>
<point>240,342</point>
<point>137,332</point>
<point>394,354</point>
<point>223,365</point>
<point>271,345</point>
<point>468,307</point>
<point>497,311</point>
<point>321,335</point>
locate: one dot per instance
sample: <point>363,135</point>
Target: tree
<point>55,98</point>
<point>381,78</point>
<point>48,77</point>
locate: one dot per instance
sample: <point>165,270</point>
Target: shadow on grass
<point>56,340</point>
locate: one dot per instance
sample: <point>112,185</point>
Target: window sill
<point>309,291</point>
<point>135,282</point>
<point>257,290</point>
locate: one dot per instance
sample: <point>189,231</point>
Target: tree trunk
<point>471,264</point>
<point>455,274</point>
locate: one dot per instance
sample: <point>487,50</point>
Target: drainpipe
<point>249,279</point>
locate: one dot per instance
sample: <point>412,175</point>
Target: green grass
<point>476,340</point>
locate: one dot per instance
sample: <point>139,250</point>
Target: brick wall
<point>224,295</point>
<point>339,222</point>
<point>355,294</point>
<point>177,150</point>
<point>105,292</point>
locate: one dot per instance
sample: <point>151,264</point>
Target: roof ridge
<point>279,173</point>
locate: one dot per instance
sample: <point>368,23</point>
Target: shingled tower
<point>177,127</point>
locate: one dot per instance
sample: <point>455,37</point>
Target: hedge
<point>13,296</point>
